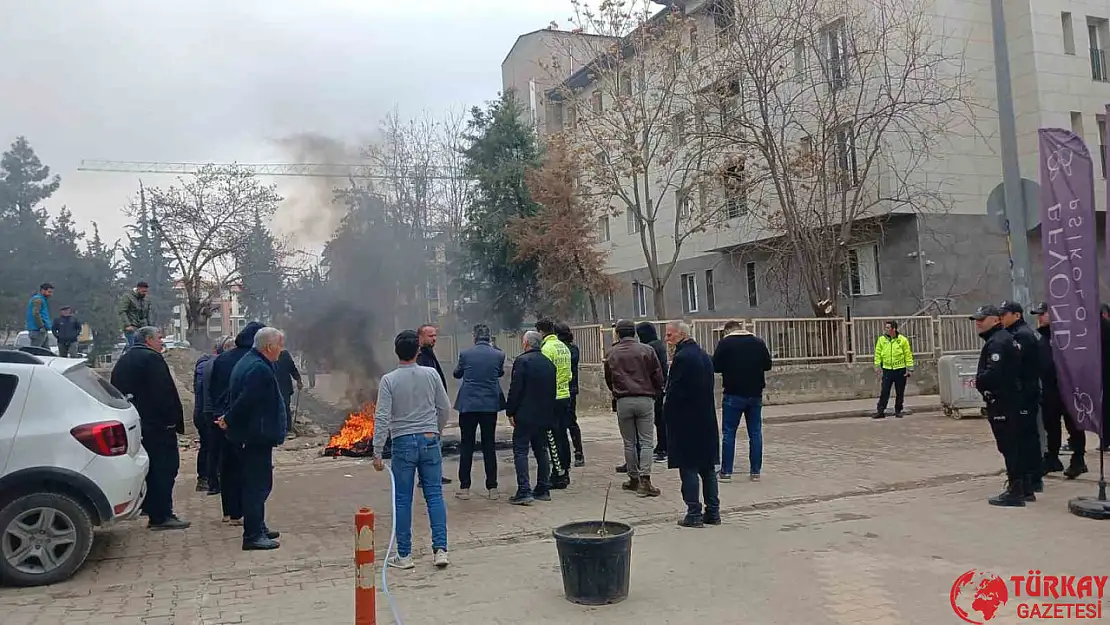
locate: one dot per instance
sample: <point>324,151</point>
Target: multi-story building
<point>227,316</point>
<point>952,258</point>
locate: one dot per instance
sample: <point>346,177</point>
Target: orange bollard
<point>365,599</point>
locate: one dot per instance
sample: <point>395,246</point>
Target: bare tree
<point>203,222</point>
<point>632,113</point>
<point>834,111</point>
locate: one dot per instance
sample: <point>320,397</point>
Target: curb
<point>846,414</point>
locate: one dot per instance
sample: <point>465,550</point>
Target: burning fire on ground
<point>356,437</point>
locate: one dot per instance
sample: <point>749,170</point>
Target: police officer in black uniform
<point>1053,410</point>
<point>998,378</point>
<point>1029,343</point>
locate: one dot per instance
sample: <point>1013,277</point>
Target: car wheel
<point>44,539</point>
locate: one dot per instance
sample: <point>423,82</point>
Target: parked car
<point>23,339</point>
<point>71,459</point>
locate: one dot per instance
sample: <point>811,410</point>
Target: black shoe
<point>691,521</point>
<point>560,483</point>
<point>1010,497</point>
<point>1075,468</point>
<point>579,460</point>
<point>622,469</point>
<point>660,456</point>
<point>273,535</point>
<point>172,523</point>
<point>898,415</point>
<point>213,491</point>
<point>447,480</point>
<point>202,484</point>
<point>522,499</point>
<point>544,496</point>
<point>1052,464</point>
<point>260,544</point>
<point>878,415</point>
<point>712,518</point>
<point>1036,485</point>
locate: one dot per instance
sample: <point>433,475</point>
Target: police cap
<point>986,311</point>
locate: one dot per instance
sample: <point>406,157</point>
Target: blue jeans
<point>129,337</point>
<point>733,409</point>
<point>411,454</point>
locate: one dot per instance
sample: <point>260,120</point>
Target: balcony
<point>1099,69</point>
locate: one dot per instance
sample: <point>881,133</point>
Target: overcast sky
<point>205,80</point>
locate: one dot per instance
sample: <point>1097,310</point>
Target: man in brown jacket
<point>634,376</point>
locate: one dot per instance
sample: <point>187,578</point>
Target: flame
<point>357,428</point>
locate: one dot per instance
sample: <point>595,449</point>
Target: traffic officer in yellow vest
<point>894,363</point>
<point>558,436</point>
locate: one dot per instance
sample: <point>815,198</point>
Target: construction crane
<point>303,170</point>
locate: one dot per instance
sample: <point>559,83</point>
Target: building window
<point>609,305</point>
<point>724,20</point>
<point>689,283</point>
<point>596,104</point>
<point>1069,33</point>
<point>603,229</point>
<point>753,295</point>
<point>736,197</point>
<point>554,119</point>
<point>624,84</point>
<point>432,291</point>
<point>1077,123</point>
<point>639,299</point>
<point>835,40</point>
<point>694,43</point>
<point>684,204</point>
<point>678,129</point>
<point>1098,34</point>
<point>800,60</point>
<point>710,293</point>
<point>633,220</point>
<point>844,151</point>
<point>572,116</point>
<point>1102,141</point>
<point>862,271</point>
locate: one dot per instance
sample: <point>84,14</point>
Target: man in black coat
<point>255,422</point>
<point>531,408</point>
<point>998,378</point>
<point>1029,345</point>
<point>143,374</point>
<point>647,333</point>
<point>287,374</point>
<point>563,333</point>
<point>690,410</point>
<point>219,399</point>
<point>1053,410</point>
<point>427,358</point>
<point>67,329</point>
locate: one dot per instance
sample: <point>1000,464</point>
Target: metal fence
<point>791,341</point>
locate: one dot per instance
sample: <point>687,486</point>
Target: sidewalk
<point>846,409</point>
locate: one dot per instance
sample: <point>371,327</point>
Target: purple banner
<point>1070,245</point>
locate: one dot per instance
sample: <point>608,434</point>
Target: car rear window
<point>97,387</point>
<point>8,383</point>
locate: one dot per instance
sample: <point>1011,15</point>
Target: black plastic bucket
<point>596,568</point>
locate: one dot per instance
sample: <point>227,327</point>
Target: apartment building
<point>227,316</point>
<point>951,256</point>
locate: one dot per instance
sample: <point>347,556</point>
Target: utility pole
<point>1017,233</point>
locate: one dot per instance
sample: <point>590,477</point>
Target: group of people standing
<point>1017,378</point>
<point>66,328</point>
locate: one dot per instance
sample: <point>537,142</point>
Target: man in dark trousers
<point>216,440</point>
<point>531,408</point>
<point>427,358</point>
<point>287,374</point>
<point>143,374</point>
<point>255,423</point>
<point>634,377</point>
<point>562,331</point>
<point>647,333</point>
<point>691,412</point>
<point>742,359</point>
<point>67,329</point>
<point>218,392</point>
<point>479,400</point>
<point>1029,344</point>
<point>999,379</point>
<point>1053,410</point>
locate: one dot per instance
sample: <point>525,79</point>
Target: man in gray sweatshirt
<point>412,409</point>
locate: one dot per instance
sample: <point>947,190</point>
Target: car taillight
<point>107,438</point>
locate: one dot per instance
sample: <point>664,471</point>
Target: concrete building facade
<point>946,261</point>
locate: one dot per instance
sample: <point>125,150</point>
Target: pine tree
<point>260,274</point>
<point>145,259</point>
<point>24,183</point>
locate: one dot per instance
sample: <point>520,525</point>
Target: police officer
<point>1029,343</point>
<point>1053,410</point>
<point>998,378</point>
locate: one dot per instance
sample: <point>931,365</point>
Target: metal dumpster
<point>956,375</point>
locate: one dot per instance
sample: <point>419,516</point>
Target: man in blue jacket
<point>479,400</point>
<point>256,423</point>
<point>38,315</point>
<point>218,399</point>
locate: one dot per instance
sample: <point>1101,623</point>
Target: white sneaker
<point>398,562</point>
<point>493,494</point>
<point>462,493</point>
<point>440,559</point>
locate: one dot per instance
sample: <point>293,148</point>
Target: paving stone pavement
<point>915,482</point>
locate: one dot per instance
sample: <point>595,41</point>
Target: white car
<point>70,459</point>
<point>23,339</point>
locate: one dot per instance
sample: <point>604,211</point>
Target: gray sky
<point>203,80</point>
